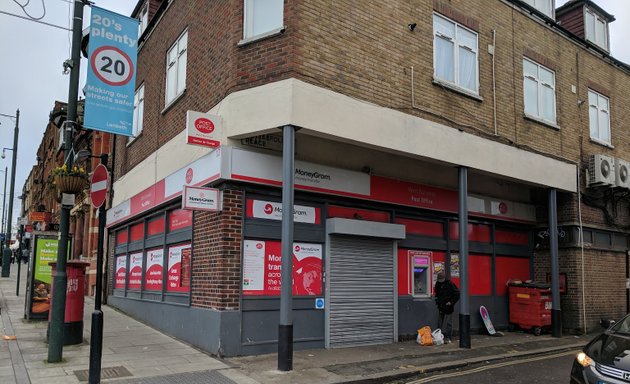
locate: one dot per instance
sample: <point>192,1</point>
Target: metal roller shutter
<point>361,291</point>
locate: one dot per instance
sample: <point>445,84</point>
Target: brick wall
<point>216,261</point>
<point>605,282</point>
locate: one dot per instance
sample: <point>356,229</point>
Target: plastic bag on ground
<point>424,336</point>
<point>438,337</point>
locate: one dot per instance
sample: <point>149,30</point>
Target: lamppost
<point>6,256</point>
<point>4,199</point>
<point>60,280</point>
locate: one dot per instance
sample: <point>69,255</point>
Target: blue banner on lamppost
<point>111,74</point>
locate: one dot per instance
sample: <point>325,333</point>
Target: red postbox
<point>75,301</point>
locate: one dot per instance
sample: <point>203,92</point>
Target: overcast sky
<point>31,76</point>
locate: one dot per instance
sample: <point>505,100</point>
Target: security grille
<point>361,291</point>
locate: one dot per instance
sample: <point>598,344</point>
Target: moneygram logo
<point>312,175</point>
<point>268,209</point>
<point>297,248</point>
<point>503,208</point>
<point>259,245</point>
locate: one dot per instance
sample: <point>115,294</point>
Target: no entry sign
<point>98,185</point>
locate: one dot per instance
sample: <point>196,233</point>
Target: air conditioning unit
<point>622,173</point>
<point>601,171</point>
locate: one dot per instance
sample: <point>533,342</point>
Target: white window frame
<point>178,65</point>
<point>601,109</point>
<point>138,113</point>
<point>456,46</point>
<point>544,6</point>
<point>428,283</point>
<point>540,85</point>
<point>249,21</point>
<point>143,17</point>
<point>591,18</point>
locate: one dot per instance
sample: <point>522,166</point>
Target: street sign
<point>98,185</point>
<point>111,73</point>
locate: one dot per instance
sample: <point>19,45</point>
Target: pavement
<point>136,353</point>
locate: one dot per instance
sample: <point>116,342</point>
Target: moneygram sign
<point>111,78</point>
<point>201,199</point>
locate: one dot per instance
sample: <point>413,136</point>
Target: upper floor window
<point>138,112</point>
<point>455,54</point>
<point>599,117</point>
<point>176,68</point>
<point>544,6</point>
<point>596,29</point>
<point>262,16</point>
<point>143,16</point>
<point>539,89</point>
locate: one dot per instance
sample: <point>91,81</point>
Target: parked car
<point>606,359</point>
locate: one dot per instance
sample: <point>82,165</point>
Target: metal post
<point>464,310</point>
<point>19,258</point>
<point>556,314</point>
<point>60,282</point>
<point>6,256</point>
<point>4,197</point>
<point>285,328</point>
<point>96,338</point>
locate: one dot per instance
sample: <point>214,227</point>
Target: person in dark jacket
<point>446,295</point>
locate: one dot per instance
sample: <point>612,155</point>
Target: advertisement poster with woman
<point>262,268</point>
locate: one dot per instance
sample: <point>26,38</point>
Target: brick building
<point>389,100</point>
<point>41,201</point>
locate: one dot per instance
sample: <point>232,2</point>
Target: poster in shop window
<point>262,268</point>
<point>154,270</point>
<point>135,270</point>
<point>454,265</point>
<point>121,272</point>
<point>178,268</point>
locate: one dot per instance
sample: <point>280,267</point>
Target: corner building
<point>389,100</point>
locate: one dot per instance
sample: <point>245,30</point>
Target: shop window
<point>122,237</point>
<point>510,268</point>
<point>121,272</point>
<point>137,232</point>
<point>155,226</point>
<point>480,275</point>
<point>262,260</point>
<point>423,228</point>
<point>507,236</point>
<point>135,271</point>
<point>178,277</point>
<point>179,219</point>
<point>358,214</point>
<point>476,232</point>
<point>153,269</point>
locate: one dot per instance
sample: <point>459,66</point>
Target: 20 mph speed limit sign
<point>112,66</point>
<point>111,78</point>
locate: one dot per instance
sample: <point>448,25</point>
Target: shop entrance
<point>361,291</point>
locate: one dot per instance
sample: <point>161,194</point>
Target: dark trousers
<point>445,323</point>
